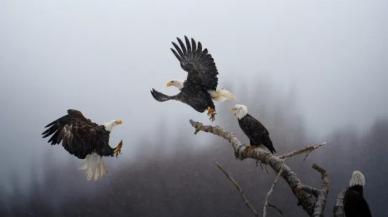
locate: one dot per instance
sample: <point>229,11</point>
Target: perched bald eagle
<point>200,88</point>
<point>258,135</point>
<point>354,203</point>
<point>84,139</point>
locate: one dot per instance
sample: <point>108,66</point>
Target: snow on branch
<point>311,199</point>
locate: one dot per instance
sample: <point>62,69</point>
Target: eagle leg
<point>117,149</point>
<point>211,112</point>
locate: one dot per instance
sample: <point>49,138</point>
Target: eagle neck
<point>109,126</point>
<point>358,188</point>
<point>241,115</point>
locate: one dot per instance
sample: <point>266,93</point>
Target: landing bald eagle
<point>84,139</point>
<point>354,203</point>
<point>256,132</point>
<point>200,88</point>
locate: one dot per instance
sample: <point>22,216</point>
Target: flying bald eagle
<point>256,132</point>
<point>84,139</point>
<point>354,203</point>
<point>200,88</point>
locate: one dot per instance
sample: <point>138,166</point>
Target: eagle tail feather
<point>94,167</point>
<point>221,95</point>
<point>270,146</point>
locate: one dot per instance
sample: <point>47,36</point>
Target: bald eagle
<point>256,132</point>
<point>84,139</point>
<point>200,88</point>
<point>354,203</point>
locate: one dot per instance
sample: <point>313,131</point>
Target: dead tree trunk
<point>312,200</point>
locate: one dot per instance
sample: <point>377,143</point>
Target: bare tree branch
<point>311,190</point>
<point>239,189</point>
<point>321,200</point>
<point>266,203</point>
<point>339,205</point>
<point>307,196</point>
<point>306,150</point>
<point>276,208</point>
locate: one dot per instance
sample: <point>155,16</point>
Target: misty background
<point>311,71</point>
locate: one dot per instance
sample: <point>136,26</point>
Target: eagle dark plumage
<point>256,132</point>
<point>355,204</point>
<point>200,88</point>
<point>84,139</point>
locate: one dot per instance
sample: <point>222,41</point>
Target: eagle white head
<point>239,111</point>
<point>175,83</point>
<point>357,179</point>
<point>111,124</point>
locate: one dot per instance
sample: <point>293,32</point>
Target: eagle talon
<point>211,112</point>
<point>117,150</point>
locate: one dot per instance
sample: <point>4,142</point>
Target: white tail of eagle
<point>221,95</point>
<point>94,167</point>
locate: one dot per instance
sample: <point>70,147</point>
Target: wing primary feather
<point>204,53</point>
<point>182,46</point>
<point>199,49</point>
<point>52,123</point>
<point>49,131</point>
<point>176,55</point>
<point>197,62</point>
<point>193,45</point>
<point>178,49</point>
<point>53,139</point>
<point>188,45</point>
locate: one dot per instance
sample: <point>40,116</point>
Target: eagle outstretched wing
<point>77,134</point>
<point>198,63</point>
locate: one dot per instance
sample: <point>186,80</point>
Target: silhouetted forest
<point>185,182</point>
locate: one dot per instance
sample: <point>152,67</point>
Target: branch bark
<point>311,199</point>
<point>307,150</point>
<point>322,195</point>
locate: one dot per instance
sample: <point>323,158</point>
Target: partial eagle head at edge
<point>175,83</point>
<point>357,179</point>
<point>239,110</point>
<point>111,124</point>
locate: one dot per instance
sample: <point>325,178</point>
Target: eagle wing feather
<point>198,63</point>
<point>78,135</point>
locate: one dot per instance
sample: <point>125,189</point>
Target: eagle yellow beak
<point>233,109</point>
<point>119,121</point>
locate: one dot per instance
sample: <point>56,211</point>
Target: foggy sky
<point>103,57</point>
